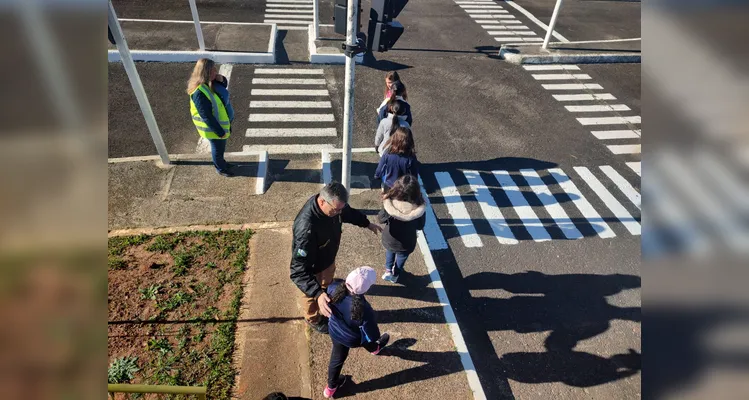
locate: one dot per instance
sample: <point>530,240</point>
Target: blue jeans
<point>218,146</point>
<point>397,258</point>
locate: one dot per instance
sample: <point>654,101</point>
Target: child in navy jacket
<point>352,323</point>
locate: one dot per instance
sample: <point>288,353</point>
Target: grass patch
<point>116,263</point>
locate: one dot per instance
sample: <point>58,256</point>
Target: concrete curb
<point>190,228</point>
<point>315,58</point>
<point>510,54</point>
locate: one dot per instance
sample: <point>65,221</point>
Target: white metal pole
<point>198,28</point>
<point>552,23</point>
<point>316,17</point>
<point>348,103</point>
<point>140,92</point>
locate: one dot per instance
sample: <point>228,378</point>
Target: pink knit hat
<point>361,279</point>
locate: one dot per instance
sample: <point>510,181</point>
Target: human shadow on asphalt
<point>370,61</point>
<point>435,364</point>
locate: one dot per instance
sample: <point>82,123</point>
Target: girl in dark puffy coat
<point>402,216</point>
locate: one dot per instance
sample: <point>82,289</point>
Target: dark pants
<point>218,146</point>
<point>338,356</point>
<point>394,261</point>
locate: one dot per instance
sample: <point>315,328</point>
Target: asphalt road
<point>558,318</point>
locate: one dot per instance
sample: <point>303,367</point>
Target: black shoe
<point>320,327</point>
<point>226,174</point>
<point>381,343</point>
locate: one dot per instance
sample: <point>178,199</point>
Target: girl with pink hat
<point>352,323</point>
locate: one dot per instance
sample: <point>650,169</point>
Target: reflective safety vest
<point>219,112</point>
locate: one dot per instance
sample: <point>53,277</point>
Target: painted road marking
<point>291,118</point>
<point>624,186</point>
<point>488,205</point>
<point>289,92</point>
<point>551,67</point>
<point>290,104</point>
<point>603,230</point>
<point>609,120</point>
<point>616,134</point>
<point>291,132</point>
<point>289,71</point>
<point>571,86</point>
<point>287,81</point>
<point>598,108</point>
<point>577,97</point>
<point>550,77</point>
<point>551,204</point>
<point>611,202</point>
<point>525,212</point>
<point>457,210</point>
<point>635,166</point>
<point>625,148</point>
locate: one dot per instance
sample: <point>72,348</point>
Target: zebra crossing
<point>535,205</point>
<point>606,120</point>
<point>290,103</point>
<point>498,22</point>
<point>289,14</point>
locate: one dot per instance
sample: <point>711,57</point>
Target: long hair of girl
<point>357,305</point>
<point>200,74</point>
<point>407,189</point>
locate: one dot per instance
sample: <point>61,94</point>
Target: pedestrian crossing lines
<point>289,14</point>
<point>498,22</point>
<point>605,116</point>
<point>537,205</point>
<point>290,103</point>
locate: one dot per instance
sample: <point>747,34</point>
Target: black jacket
<point>316,241</point>
<point>401,220</point>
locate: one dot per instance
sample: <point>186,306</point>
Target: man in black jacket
<point>317,236</point>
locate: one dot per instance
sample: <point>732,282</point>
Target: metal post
<point>552,23</point>
<point>348,103</point>
<point>316,17</point>
<point>198,28</point>
<point>140,92</point>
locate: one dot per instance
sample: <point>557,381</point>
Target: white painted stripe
<point>609,120</point>
<point>625,148</point>
<point>457,210</point>
<point>460,345</point>
<point>513,33</point>
<point>488,205</point>
<point>586,209</point>
<point>293,28</point>
<point>616,134</point>
<point>280,11</point>
<point>285,21</point>
<point>475,2</point>
<point>535,20</point>
<point>503,27</point>
<point>262,173</point>
<point>576,97</point>
<point>518,39</point>
<point>432,231</point>
<point>598,108</point>
<point>291,118</point>
<point>635,166</point>
<point>290,104</point>
<point>525,212</point>
<point>289,92</point>
<point>505,22</point>
<point>497,15</point>
<point>533,39</point>
<point>619,211</point>
<point>551,77</point>
<point>555,210</point>
<point>571,86</point>
<point>287,81</point>
<point>551,67</point>
<point>482,11</point>
<point>286,6</point>
<point>467,7</point>
<point>623,185</point>
<point>291,132</point>
<point>289,71</point>
<point>225,70</point>
<point>327,173</point>
<point>287,148</point>
<point>291,16</point>
<point>722,220</point>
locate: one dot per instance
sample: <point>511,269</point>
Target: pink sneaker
<point>381,343</point>
<point>328,393</point>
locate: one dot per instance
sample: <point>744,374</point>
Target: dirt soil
<point>173,302</point>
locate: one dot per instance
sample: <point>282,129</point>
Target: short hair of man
<point>334,191</point>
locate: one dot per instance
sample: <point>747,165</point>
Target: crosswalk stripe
<point>468,7</point>
<point>503,27</point>
<point>571,86</point>
<point>475,2</point>
<point>556,77</point>
<point>482,11</point>
<point>555,210</point>
<point>519,33</point>
<point>285,11</point>
<point>518,39</point>
<point>291,132</point>
<point>616,134</point>
<point>285,21</point>
<point>289,71</point>
<point>498,16</point>
<point>624,186</point>
<point>287,81</point>
<point>625,148</point>
<point>598,108</point>
<point>292,118</point>
<point>576,97</point>
<point>434,237</point>
<point>586,209</point>
<point>290,104</point>
<point>292,16</point>
<point>287,148</point>
<point>616,208</point>
<point>609,120</point>
<point>307,7</point>
<point>635,166</point>
<point>488,205</point>
<point>457,210</point>
<point>525,212</point>
<point>293,28</point>
<point>289,92</point>
<point>551,67</point>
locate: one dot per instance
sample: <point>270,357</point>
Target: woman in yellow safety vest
<point>211,110</point>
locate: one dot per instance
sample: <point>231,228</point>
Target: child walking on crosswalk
<point>352,323</point>
<point>403,214</point>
